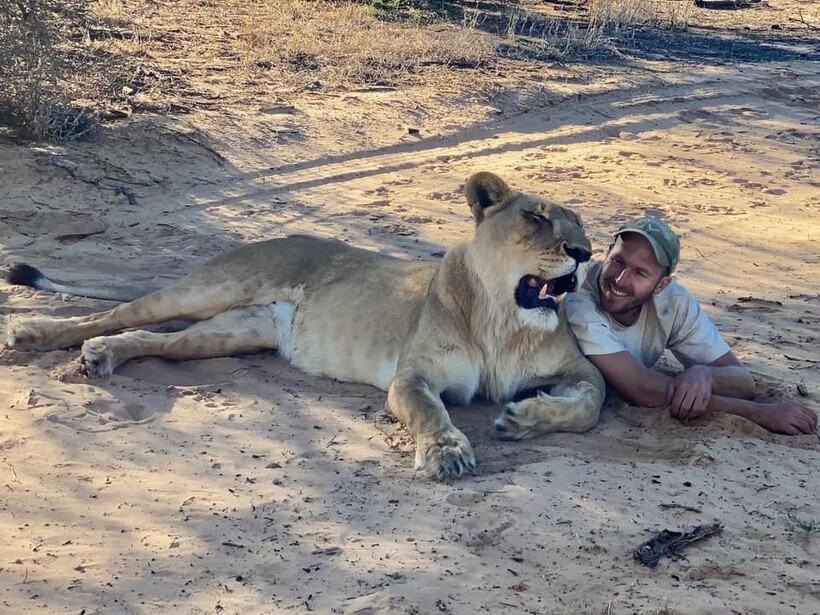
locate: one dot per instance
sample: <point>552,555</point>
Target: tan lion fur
<point>420,330</point>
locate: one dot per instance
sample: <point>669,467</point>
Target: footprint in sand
<point>631,155</point>
<point>702,116</point>
<point>465,499</point>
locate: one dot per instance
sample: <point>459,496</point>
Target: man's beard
<point>617,305</point>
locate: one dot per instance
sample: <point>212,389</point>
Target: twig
<point>760,506</point>
<point>13,471</point>
<point>791,358</point>
<point>702,255</point>
<point>181,136</point>
<point>391,440</point>
<point>681,506</point>
<point>801,19</point>
<point>669,543</point>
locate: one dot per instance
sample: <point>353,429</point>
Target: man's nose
<point>622,279</point>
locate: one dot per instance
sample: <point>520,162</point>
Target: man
<point>630,309</point>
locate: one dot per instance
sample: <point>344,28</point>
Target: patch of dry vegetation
<point>53,71</point>
<point>346,44</point>
<point>66,64</point>
<point>590,26</point>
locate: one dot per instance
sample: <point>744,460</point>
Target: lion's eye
<point>536,217</point>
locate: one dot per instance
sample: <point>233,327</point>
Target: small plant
<point>795,523</point>
<point>414,11</point>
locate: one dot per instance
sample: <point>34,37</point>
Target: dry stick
<point>801,19</point>
<point>668,543</point>
<point>13,471</point>
<point>800,359</point>
<point>702,255</point>
<point>681,506</point>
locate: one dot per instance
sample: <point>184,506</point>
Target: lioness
<point>486,320</point>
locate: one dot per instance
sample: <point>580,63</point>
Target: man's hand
<point>688,394</point>
<point>786,417</point>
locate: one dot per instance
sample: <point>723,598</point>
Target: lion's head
<point>528,248</point>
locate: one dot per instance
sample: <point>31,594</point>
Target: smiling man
<point>631,309</point>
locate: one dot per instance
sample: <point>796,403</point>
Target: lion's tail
<point>26,275</point>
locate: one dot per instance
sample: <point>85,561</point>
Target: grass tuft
<point>795,523</point>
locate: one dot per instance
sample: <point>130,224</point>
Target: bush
<point>36,56</point>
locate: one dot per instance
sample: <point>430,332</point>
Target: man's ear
<point>484,190</point>
<point>663,283</point>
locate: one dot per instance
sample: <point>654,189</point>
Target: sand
<point>241,485</point>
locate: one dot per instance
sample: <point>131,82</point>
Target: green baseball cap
<point>665,244</point>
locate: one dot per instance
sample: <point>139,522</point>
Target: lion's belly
<point>343,357</point>
<point>351,321</point>
<point>348,342</point>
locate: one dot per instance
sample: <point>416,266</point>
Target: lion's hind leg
<point>246,329</point>
<point>181,301</point>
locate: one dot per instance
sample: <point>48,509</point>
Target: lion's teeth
<point>545,292</point>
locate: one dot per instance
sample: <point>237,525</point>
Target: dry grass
<point>596,26</point>
<point>618,16</point>
<point>342,45</point>
<point>52,73</point>
<point>65,64</point>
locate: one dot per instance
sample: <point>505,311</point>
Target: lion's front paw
<point>97,358</point>
<point>512,424</point>
<point>445,455</point>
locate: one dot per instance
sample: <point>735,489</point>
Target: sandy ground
<point>241,485</point>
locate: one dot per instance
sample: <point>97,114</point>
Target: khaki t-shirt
<point>672,319</point>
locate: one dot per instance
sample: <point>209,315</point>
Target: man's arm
<point>730,377</point>
<point>689,392</point>
<point>633,381</point>
<point>646,387</point>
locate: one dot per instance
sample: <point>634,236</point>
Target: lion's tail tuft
<point>25,275</point>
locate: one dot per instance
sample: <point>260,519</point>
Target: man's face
<point>629,277</point>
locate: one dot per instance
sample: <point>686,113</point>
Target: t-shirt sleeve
<point>694,339</point>
<point>589,327</point>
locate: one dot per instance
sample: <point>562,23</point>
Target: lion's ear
<point>484,190</point>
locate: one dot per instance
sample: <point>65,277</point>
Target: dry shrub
<point>624,15</point>
<point>54,75</point>
<point>343,44</point>
<point>599,26</point>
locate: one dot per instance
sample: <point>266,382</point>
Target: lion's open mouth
<point>536,292</point>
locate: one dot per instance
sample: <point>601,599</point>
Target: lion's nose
<point>581,255</point>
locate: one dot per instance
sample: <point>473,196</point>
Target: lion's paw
<point>445,455</point>
<point>511,424</point>
<point>22,333</point>
<point>97,358</point>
